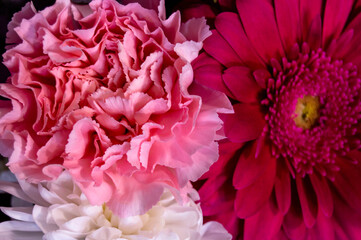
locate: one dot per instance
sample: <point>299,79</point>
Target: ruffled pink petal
<point>241,83</point>
<point>245,124</point>
<point>27,12</point>
<point>196,29</point>
<point>265,37</point>
<point>230,28</point>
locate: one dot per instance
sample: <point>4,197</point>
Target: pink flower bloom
<point>106,92</point>
<point>292,167</point>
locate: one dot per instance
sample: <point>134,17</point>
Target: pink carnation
<point>106,92</point>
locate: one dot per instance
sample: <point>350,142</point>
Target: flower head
<point>62,211</point>
<point>292,71</point>
<point>106,92</point>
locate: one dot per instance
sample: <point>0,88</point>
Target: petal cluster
<point>292,72</point>
<point>62,211</point>
<point>107,92</point>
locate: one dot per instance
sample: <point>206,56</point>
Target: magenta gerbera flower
<point>291,169</point>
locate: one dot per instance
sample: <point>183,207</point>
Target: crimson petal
<point>249,167</point>
<point>230,27</point>
<point>208,72</point>
<point>251,199</point>
<point>309,9</point>
<point>287,14</point>
<point>265,37</point>
<point>265,224</point>
<point>307,200</point>
<point>335,17</point>
<point>347,182</point>
<point>241,83</point>
<point>217,47</point>
<point>283,187</point>
<point>323,193</point>
<point>245,124</point>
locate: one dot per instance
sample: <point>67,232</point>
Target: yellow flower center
<point>307,111</point>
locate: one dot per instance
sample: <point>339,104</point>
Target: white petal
<point>16,235</point>
<point>19,226</point>
<point>167,236</point>
<point>19,213</point>
<point>40,217</point>
<point>83,224</point>
<point>105,233</point>
<point>57,235</point>
<point>15,190</point>
<point>214,231</point>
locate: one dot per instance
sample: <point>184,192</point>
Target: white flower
<point>62,212</point>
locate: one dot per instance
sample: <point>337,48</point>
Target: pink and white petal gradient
<point>107,93</point>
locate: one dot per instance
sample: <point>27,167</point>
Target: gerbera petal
<point>211,193</point>
<point>324,228</point>
<point>335,17</point>
<point>309,9</point>
<point>227,151</point>
<point>343,213</point>
<point>245,124</point>
<point>315,33</point>
<point>224,54</point>
<point>208,72</point>
<point>251,199</point>
<point>249,167</point>
<point>293,224</point>
<point>347,181</point>
<point>230,27</point>
<point>265,224</point>
<point>340,48</point>
<point>323,193</point>
<point>241,83</point>
<point>264,37</point>
<point>283,187</point>
<point>287,14</point>
<point>307,200</point>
